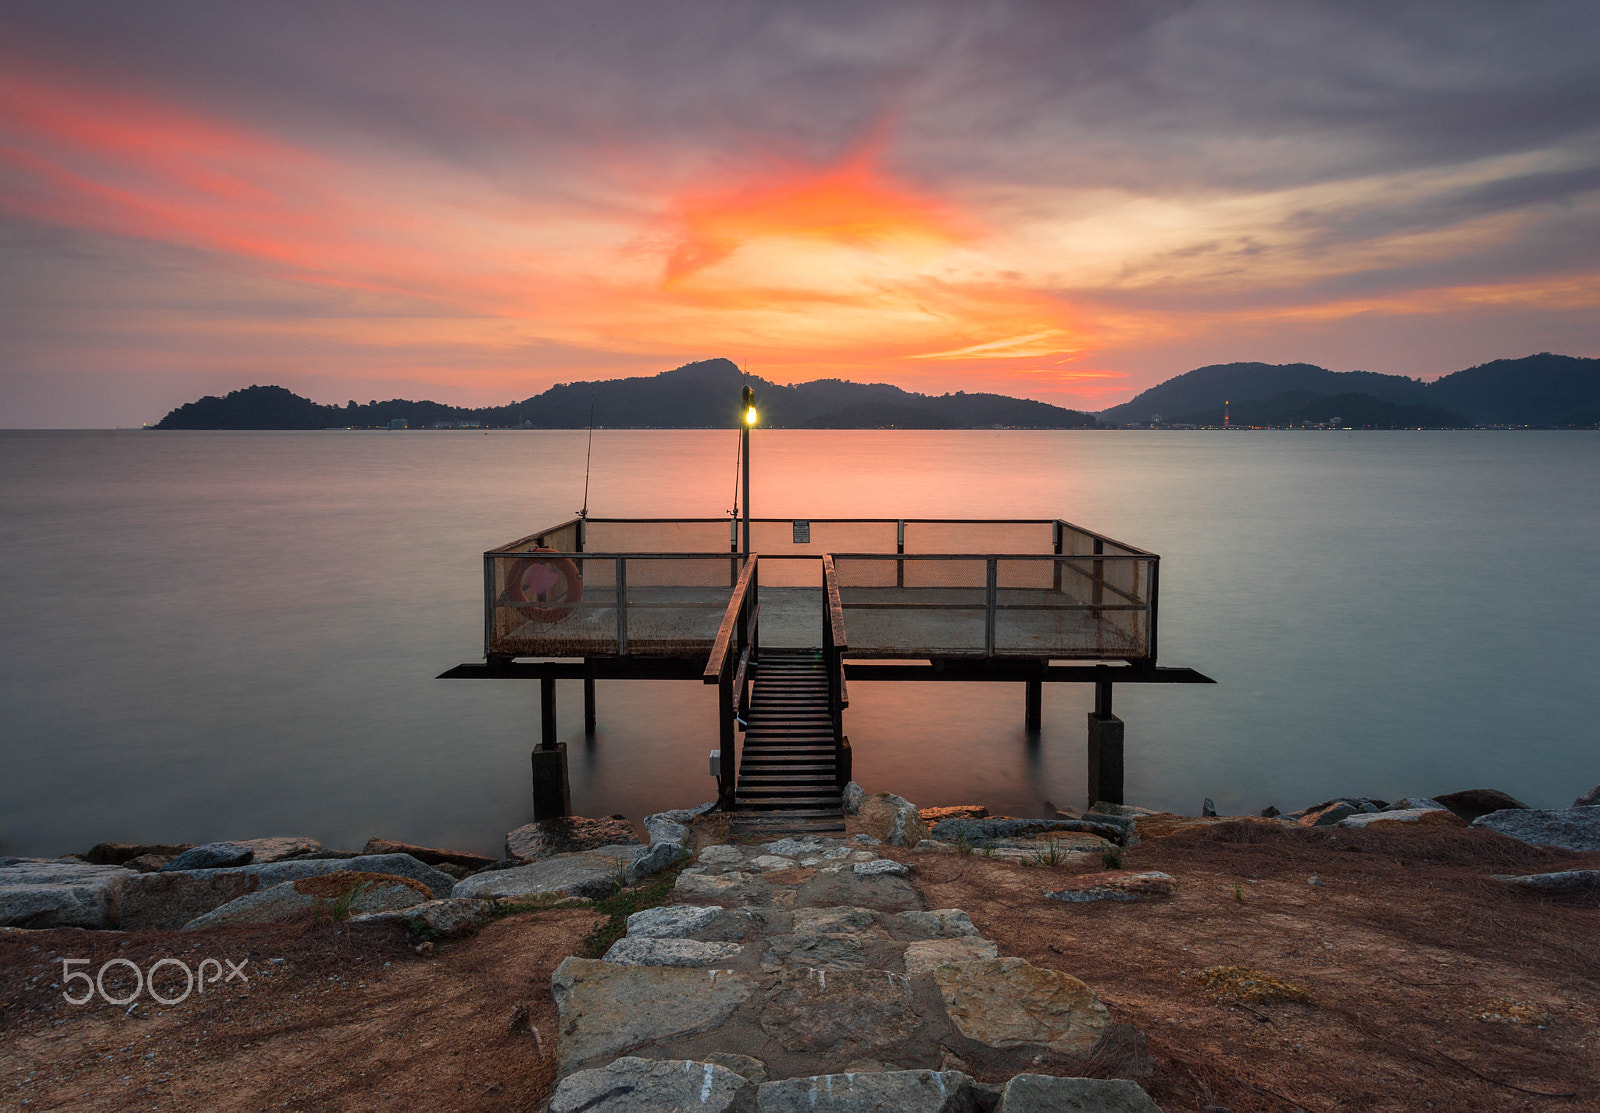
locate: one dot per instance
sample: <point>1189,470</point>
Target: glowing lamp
<point>750,416</point>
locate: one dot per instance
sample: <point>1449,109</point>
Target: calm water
<point>213,635</point>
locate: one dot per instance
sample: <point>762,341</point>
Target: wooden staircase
<point>788,776</point>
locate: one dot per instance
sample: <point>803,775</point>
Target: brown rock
<point>893,819</point>
<point>1116,885</point>
<point>1471,803</point>
<point>432,855</point>
<point>535,841</point>
<point>148,863</point>
<point>823,1010</point>
<point>1008,1002</point>
<point>278,849</point>
<point>120,853</point>
<point>955,811</point>
<point>926,954</point>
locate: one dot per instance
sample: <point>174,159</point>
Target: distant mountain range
<point>1541,390</point>
<point>703,395</point>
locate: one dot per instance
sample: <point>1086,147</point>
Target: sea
<point>213,635</point>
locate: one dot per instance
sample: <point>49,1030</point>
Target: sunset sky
<point>1061,200</point>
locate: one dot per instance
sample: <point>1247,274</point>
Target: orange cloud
<point>853,204</point>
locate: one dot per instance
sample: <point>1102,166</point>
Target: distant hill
<point>695,396</point>
<point>1544,389</point>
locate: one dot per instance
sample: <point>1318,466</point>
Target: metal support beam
<point>1033,707</point>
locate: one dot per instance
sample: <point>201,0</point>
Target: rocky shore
<point>780,973</point>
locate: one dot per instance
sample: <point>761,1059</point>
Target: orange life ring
<point>544,589</point>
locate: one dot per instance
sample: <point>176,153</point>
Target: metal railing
<point>835,645</point>
<point>737,644</point>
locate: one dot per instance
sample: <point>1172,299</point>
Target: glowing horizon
<point>190,206</point>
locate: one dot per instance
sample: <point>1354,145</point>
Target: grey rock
<point>212,855</point>
<point>800,846</point>
<point>925,955</point>
<point>1416,804</point>
<point>635,951</point>
<point>1416,817</point>
<point>450,916</point>
<point>1270,812</point>
<point>885,892</point>
<point>1116,885</point>
<point>772,862</point>
<point>1566,828</point>
<point>1566,881</point>
<point>831,1010</point>
<point>854,794</point>
<point>1043,1093</point>
<point>662,829</point>
<point>633,1085</point>
<point>607,1010</point>
<point>881,867</point>
<point>534,842</point>
<point>934,846</point>
<point>672,921</point>
<point>592,876</point>
<point>941,923</point>
<point>358,892</point>
<point>653,859</point>
<point>902,1091</point>
<point>1207,808</point>
<point>47,892</point>
<point>834,950</point>
<point>1117,811</point>
<point>1470,803</point>
<point>866,840</point>
<point>1589,799</point>
<point>720,855</point>
<point>747,1065</point>
<point>980,831</point>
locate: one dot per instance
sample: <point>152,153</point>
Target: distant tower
<point>1224,413</point>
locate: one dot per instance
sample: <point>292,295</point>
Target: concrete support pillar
<point>1033,707</point>
<point>1105,759</point>
<point>588,706</point>
<point>552,792</point>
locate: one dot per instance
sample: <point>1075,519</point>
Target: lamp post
<point>748,411</point>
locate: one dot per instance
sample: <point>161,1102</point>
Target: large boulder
<point>450,916</point>
<point>633,1085</point>
<point>566,835</point>
<point>592,876</point>
<point>673,826</point>
<point>894,820</point>
<point>1043,1093</point>
<point>903,1091</point>
<point>1566,828</point>
<point>607,1010</point>
<point>926,954</point>
<point>64,892</point>
<point>840,1011</point>
<point>853,795</point>
<point>639,951</point>
<point>339,893</point>
<point>1589,799</point>
<point>280,848</point>
<point>672,921</point>
<point>170,899</point>
<point>432,855</point>
<point>1470,803</point>
<point>1009,1002</point>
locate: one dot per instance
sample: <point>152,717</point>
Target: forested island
<point>1543,391</point>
